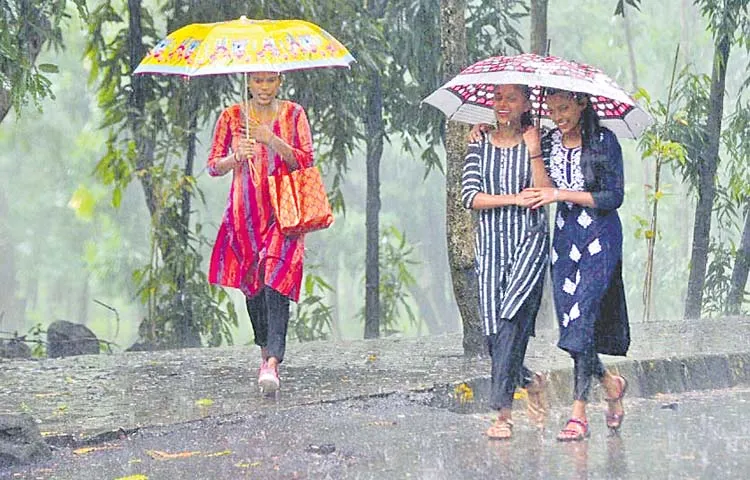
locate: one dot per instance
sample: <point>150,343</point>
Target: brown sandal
<point>614,420</point>
<point>578,432</point>
<point>501,429</point>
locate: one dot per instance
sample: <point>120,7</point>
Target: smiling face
<point>510,103</point>
<point>263,87</point>
<point>565,110</point>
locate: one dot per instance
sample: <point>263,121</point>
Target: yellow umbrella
<point>245,45</point>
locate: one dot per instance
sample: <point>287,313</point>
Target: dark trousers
<point>269,314</point>
<point>508,348</point>
<point>585,366</point>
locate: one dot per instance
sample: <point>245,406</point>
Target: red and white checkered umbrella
<point>469,96</point>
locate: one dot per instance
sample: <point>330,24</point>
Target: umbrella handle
<point>244,107</point>
<point>254,174</point>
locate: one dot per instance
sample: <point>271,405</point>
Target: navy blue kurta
<point>586,252</point>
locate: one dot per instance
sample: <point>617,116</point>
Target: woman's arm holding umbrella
<point>533,140</point>
<point>220,161</point>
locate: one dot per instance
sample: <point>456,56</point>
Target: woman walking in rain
<point>250,252</point>
<point>584,162</point>
<point>511,246</point>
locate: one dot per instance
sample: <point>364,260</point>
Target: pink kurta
<point>250,250</point>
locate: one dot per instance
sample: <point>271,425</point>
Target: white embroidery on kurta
<point>595,247</point>
<point>569,287</point>
<point>584,219</point>
<point>575,254</point>
<point>575,312</point>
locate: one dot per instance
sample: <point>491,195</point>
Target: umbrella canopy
<point>245,45</point>
<point>468,97</point>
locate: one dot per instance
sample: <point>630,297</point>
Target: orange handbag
<point>299,201</point>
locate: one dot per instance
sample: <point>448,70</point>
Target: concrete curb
<point>646,378</point>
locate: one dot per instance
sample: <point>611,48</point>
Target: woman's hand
<point>260,132</point>
<point>525,199</point>
<point>541,196</point>
<point>477,130</point>
<point>245,148</point>
<point>532,137</point>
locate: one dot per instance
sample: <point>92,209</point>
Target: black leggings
<point>585,366</point>
<point>508,349</point>
<point>269,314</point>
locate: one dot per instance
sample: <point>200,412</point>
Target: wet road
<point>687,436</point>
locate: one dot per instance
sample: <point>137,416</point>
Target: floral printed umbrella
<point>243,46</point>
<point>469,96</point>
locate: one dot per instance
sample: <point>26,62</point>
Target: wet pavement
<point>81,397</point>
<point>686,436</point>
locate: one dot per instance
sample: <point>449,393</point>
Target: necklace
<point>274,111</point>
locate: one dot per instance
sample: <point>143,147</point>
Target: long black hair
<point>526,118</point>
<point>589,120</point>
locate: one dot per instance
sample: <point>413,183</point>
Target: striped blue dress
<point>511,243</point>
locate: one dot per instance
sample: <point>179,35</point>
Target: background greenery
<point>69,247</point>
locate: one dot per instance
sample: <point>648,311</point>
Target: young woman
<point>511,245</point>
<point>250,252</point>
<point>584,162</point>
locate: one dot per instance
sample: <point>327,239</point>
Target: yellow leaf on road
<point>158,455</point>
<point>45,395</point>
<point>133,477</point>
<point>219,454</point>
<point>464,393</point>
<point>85,450</point>
<point>204,402</point>
<point>520,394</point>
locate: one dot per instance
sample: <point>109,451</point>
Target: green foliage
<point>312,318</point>
<point>718,277</point>
<point>26,27</point>
<point>490,31</point>
<point>151,122</point>
<point>736,178</point>
<point>39,350</point>
<point>173,284</point>
<point>620,8</point>
<point>396,261</point>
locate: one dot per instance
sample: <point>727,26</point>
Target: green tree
<point>729,22</point>
<point>27,27</point>
<point>735,141</point>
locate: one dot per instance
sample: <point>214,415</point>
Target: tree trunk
<point>375,132</point>
<point>539,27</point>
<point>144,141</point>
<point>460,224</point>
<point>706,187</point>
<point>740,271</point>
